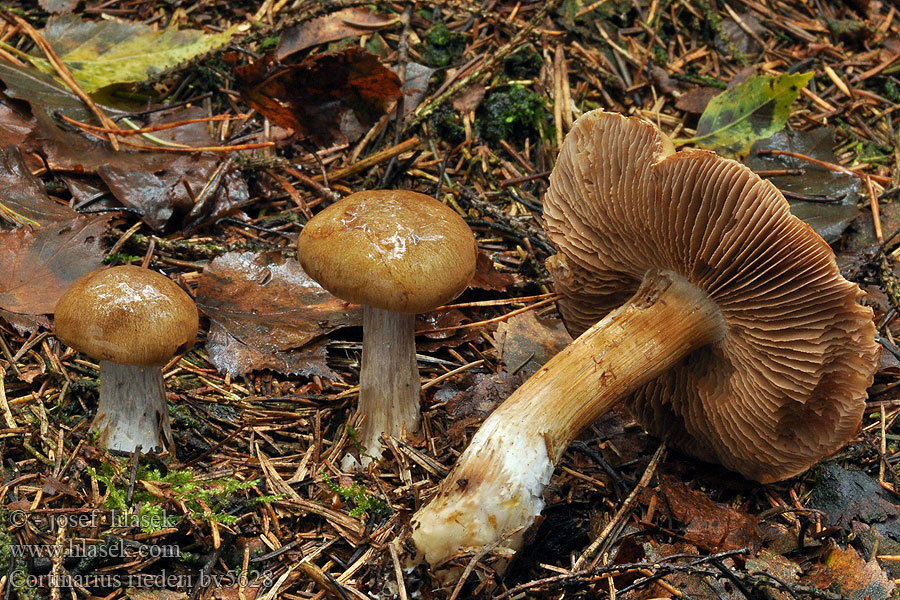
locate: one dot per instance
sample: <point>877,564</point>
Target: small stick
<point>142,130</point>
<point>623,510</point>
<point>66,75</point>
<point>822,163</point>
<point>499,319</point>
<point>876,210</point>
<point>372,160</point>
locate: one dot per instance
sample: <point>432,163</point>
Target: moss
<point>511,113</point>
<point>891,90</point>
<point>448,124</point>
<point>363,503</point>
<point>441,46</point>
<point>523,64</point>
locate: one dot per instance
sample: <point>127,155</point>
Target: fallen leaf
<point>469,99</point>
<point>695,100</point>
<point>524,342</point>
<point>414,87</point>
<point>23,193</point>
<point>42,91</point>
<point>326,97</point>
<point>38,265</point>
<point>855,578</point>
<point>356,20</point>
<point>709,525</point>
<point>752,110</point>
<point>67,150</point>
<point>110,51</point>
<point>262,306</point>
<point>828,218</point>
<point>478,394</point>
<point>15,123</point>
<point>58,6</point>
<point>489,278</point>
<point>847,495</point>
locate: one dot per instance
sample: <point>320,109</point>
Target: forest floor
<point>252,503</point>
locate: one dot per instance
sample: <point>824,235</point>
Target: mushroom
<point>133,321</point>
<point>397,253</point>
<point>718,318</point>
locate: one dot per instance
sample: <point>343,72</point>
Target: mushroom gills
<point>495,489</point>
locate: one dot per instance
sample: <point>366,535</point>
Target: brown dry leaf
<point>24,193</point>
<point>262,307</point>
<point>488,278</point>
<point>711,526</point>
<point>329,97</point>
<point>692,586</point>
<point>469,99</point>
<point>856,577</point>
<point>526,342</point>
<point>38,265</point>
<point>695,99</point>
<point>356,20</point>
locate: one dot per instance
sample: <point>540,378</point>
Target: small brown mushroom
<point>133,321</point>
<point>397,253</point>
<point>716,316</point>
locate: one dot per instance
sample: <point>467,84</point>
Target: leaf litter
<point>264,400</point>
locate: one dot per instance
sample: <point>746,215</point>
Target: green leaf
<point>753,110</point>
<point>102,53</point>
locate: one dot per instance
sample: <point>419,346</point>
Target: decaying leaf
<point>752,110</point>
<point>835,194</point>
<point>488,278</point>
<point>231,355</point>
<point>525,342</point>
<point>23,198</point>
<point>709,525</point>
<point>110,51</point>
<point>42,91</point>
<point>268,305</point>
<point>855,577</point>
<point>355,20</point>
<point>326,97</point>
<point>847,495</point>
<point>40,264</point>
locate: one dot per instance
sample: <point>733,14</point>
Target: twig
<point>65,74</point>
<point>623,511</point>
<point>494,59</point>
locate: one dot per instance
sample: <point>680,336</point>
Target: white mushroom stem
<point>495,489</point>
<point>389,383</point>
<point>133,410</point>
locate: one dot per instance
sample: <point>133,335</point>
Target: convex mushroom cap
<point>127,315</point>
<point>786,385</point>
<point>392,249</point>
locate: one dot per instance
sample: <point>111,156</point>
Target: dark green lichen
<point>512,113</point>
<point>442,47</point>
<point>448,125</point>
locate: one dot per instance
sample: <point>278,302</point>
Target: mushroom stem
<point>389,383</point>
<point>133,410</point>
<point>496,487</point>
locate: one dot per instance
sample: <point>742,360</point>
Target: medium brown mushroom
<point>397,253</point>
<point>133,321</point>
<point>716,316</point>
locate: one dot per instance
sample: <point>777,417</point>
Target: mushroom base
<point>389,383</point>
<point>495,491</point>
<point>132,412</point>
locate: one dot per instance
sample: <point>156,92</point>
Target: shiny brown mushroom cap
<point>393,249</point>
<point>127,315</point>
<point>787,385</point>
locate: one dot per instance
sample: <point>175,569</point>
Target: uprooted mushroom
<point>718,318</point>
